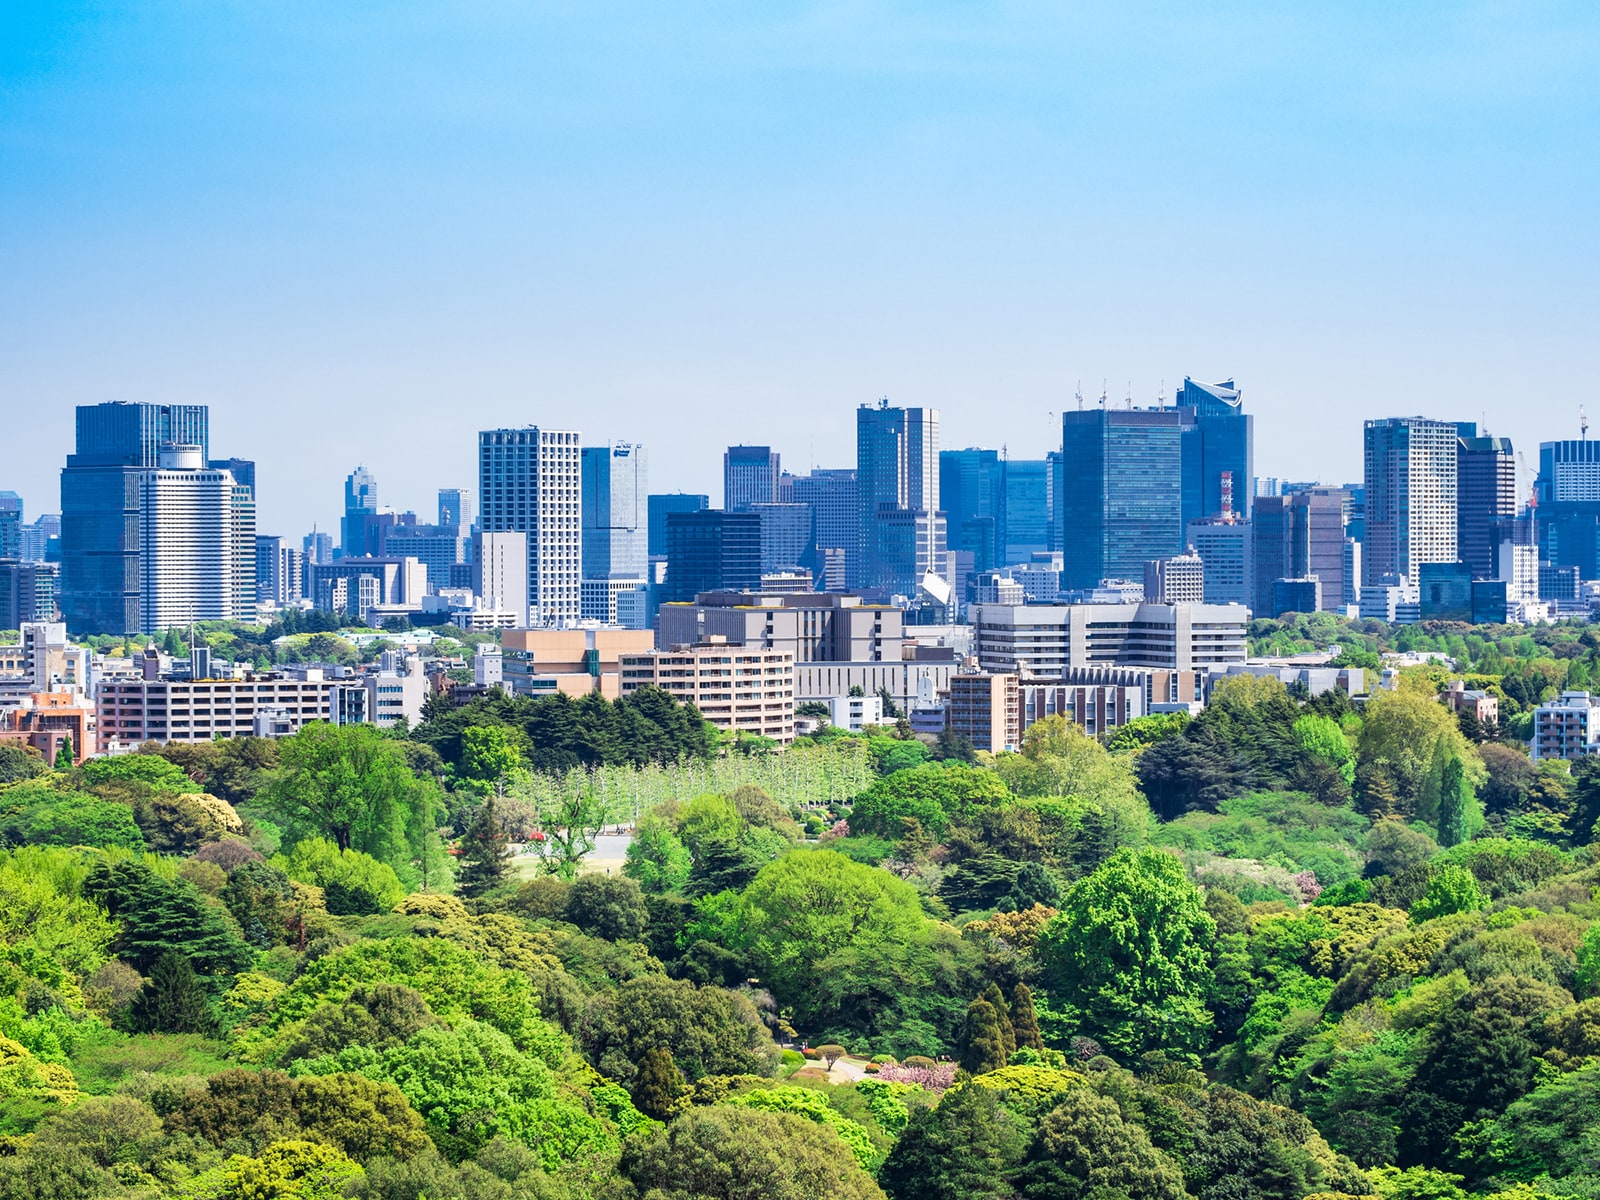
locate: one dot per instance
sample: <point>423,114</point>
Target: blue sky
<point>361,232</point>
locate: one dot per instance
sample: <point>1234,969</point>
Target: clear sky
<point>363,231</point>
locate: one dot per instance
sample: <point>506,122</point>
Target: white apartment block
<point>736,688</point>
<point>1566,728</point>
<point>1410,465</point>
<point>197,530</point>
<point>141,710</point>
<point>531,482</point>
<point>1045,641</point>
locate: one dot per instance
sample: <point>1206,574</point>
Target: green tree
<point>173,1000</point>
<point>965,1149</point>
<point>568,825</point>
<point>353,883</point>
<point>64,754</point>
<point>608,906</point>
<point>1400,736</point>
<point>485,852</point>
<point>983,1045</point>
<point>1085,1150</point>
<point>1451,889</point>
<point>931,794</point>
<point>157,915</point>
<point>1456,803</point>
<point>656,858</point>
<point>492,757</point>
<point>1002,1011</point>
<point>724,1153</point>
<point>658,1087</point>
<point>1025,1019</point>
<point>1129,954</point>
<point>707,1030</point>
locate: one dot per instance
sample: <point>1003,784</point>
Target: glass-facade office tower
<point>151,536</point>
<point>1219,445</point>
<point>1121,497</point>
<point>972,491</point>
<point>1569,507</point>
<point>616,551</point>
<point>455,508</point>
<point>360,502</point>
<point>1411,496</point>
<point>10,525</point>
<point>831,493</point>
<point>712,551</point>
<point>1299,536</point>
<point>663,503</point>
<point>529,481</point>
<point>1486,496</point>
<point>1025,509</point>
<point>897,470</point>
<point>749,476</point>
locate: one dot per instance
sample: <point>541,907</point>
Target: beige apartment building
<point>736,688</point>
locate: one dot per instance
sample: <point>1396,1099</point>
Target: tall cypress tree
<point>173,1000</point>
<point>485,854</point>
<point>982,1043</point>
<point>997,1001</point>
<point>1025,1019</point>
<point>657,1086</point>
<point>1455,796</point>
<point>64,755</point>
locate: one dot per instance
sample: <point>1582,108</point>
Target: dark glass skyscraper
<point>712,551</point>
<point>1486,495</point>
<point>1121,498</point>
<point>897,469</point>
<point>1219,445</point>
<point>660,506</point>
<point>1025,509</point>
<point>749,476</point>
<point>972,492</point>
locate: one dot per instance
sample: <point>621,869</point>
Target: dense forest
<point>1291,947</point>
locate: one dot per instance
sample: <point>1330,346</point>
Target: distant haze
<point>361,233</point>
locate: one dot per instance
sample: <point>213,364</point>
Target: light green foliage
<point>1323,737</point>
<point>813,1106</point>
<point>352,881</point>
<point>288,1170</point>
<point>1453,889</point>
<point>44,814</point>
<point>492,757</point>
<point>353,785</point>
<point>1128,954</point>
<point>1402,733</point>
<point>1027,1090</point>
<point>886,1101</point>
<point>931,795</point>
<point>471,1084</point>
<point>657,860</point>
<point>1145,731</point>
<point>1417,1183</point>
<point>149,769</point>
<point>1283,829</point>
<point>1554,1130</point>
<point>456,982</point>
<point>1059,759</point>
<point>1588,960</point>
<point>48,931</point>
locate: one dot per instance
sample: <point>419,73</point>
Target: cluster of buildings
<point>962,588</point>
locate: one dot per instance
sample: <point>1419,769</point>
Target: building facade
<point>1299,535</point>
<point>1567,727</point>
<point>1218,452</point>
<point>530,482</point>
<point>1410,496</point>
<point>986,710</point>
<point>739,689</point>
<point>134,711</point>
<point>749,476</point>
<point>1486,497</point>
<point>1121,493</point>
<point>616,518</point>
<point>1043,641</point>
<point>1227,559</point>
<point>712,551</point>
<point>897,470</point>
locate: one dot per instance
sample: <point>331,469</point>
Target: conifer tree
<point>64,755</point>
<point>982,1042</point>
<point>657,1086</point>
<point>1455,796</point>
<point>485,854</point>
<point>1025,1019</point>
<point>997,1001</point>
<point>173,1000</point>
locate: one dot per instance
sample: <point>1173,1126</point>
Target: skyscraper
<point>530,482</point>
<point>1486,495</point>
<point>831,493</point>
<point>10,525</point>
<point>151,536</point>
<point>360,502</point>
<point>1121,497</point>
<point>1299,536</point>
<point>1025,509</point>
<point>663,503</point>
<point>897,470</point>
<point>1569,505</point>
<point>972,491</point>
<point>280,570</point>
<point>712,551</point>
<point>1219,444</point>
<point>455,508</point>
<point>616,552</point>
<point>749,476</point>
<point>1411,496</point>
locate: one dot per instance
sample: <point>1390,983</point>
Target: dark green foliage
<point>20,762</point>
<point>708,1031</point>
<point>648,726</point>
<point>380,1016</point>
<point>485,853</point>
<point>1084,1150</point>
<point>158,915</point>
<point>1455,799</point>
<point>173,1000</point>
<point>965,1149</point>
<point>608,906</point>
<point>260,898</point>
<point>1024,1019</point>
<point>983,1042</point>
<point>40,815</point>
<point>658,1087</point>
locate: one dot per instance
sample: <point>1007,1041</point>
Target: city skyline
<point>777,215</point>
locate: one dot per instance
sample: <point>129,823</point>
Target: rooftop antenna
<point>1130,395</point>
<point>1080,395</point>
<point>1583,423</point>
<point>1161,395</point>
<point>1103,393</point>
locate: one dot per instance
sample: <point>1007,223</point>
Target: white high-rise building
<point>1410,496</point>
<point>616,549</point>
<point>500,570</point>
<point>530,482</point>
<point>197,542</point>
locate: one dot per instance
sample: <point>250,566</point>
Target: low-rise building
<point>50,721</point>
<point>1568,727</point>
<point>542,662</point>
<point>1484,706</point>
<point>986,710</point>
<point>1043,641</point>
<point>855,713</point>
<point>739,689</point>
<point>190,710</point>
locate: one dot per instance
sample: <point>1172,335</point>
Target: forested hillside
<point>1286,948</point>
